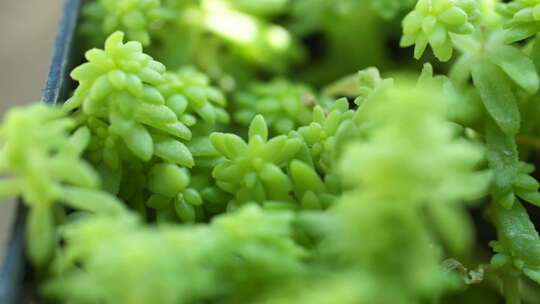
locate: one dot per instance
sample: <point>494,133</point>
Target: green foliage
<point>519,244</point>
<point>284,106</point>
<point>343,51</point>
<point>253,171</point>
<point>388,146</point>
<point>134,17</point>
<point>237,257</point>
<point>380,256</point>
<point>320,135</point>
<point>511,60</point>
<point>523,19</point>
<point>434,22</point>
<point>511,176</point>
<point>198,32</point>
<point>262,8</point>
<point>119,84</point>
<point>280,152</point>
<point>407,166</point>
<point>360,86</point>
<point>188,91</point>
<point>42,163</point>
<point>390,8</point>
<point>141,119</point>
<point>252,38</point>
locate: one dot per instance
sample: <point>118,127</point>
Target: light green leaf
<point>73,171</point>
<point>497,96</point>
<point>235,145</point>
<point>167,179</point>
<point>258,127</point>
<point>95,201</point>
<point>155,115</point>
<point>192,196</point>
<point>40,235</point>
<point>185,211</point>
<point>305,178</point>
<point>454,227</point>
<point>139,141</point>
<point>517,66</point>
<point>78,141</point>
<point>173,151</point>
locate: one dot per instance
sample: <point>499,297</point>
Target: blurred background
<point>27,33</point>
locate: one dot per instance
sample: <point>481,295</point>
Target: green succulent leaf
<point>497,96</point>
<point>517,66</point>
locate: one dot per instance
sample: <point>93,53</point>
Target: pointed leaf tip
<point>258,127</point>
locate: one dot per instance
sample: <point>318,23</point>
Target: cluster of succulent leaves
<point>280,151</point>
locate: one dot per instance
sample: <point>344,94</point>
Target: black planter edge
<point>14,265</point>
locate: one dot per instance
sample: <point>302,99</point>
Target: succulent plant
<point>134,17</point>
<point>41,158</point>
<point>285,106</point>
<point>119,86</point>
<point>434,22</point>
<point>253,171</point>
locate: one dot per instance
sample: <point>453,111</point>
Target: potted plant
<point>230,151</point>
